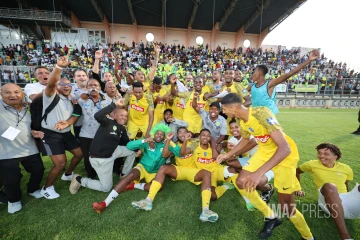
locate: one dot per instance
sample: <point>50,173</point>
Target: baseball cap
<point>216,104</point>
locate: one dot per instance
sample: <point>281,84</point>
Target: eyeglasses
<point>65,84</point>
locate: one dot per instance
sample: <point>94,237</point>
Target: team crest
<point>217,123</point>
<point>205,153</point>
<point>161,149</point>
<point>272,121</point>
<point>244,91</point>
<point>114,128</point>
<point>251,130</point>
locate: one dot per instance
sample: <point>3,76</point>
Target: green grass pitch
<point>176,209</point>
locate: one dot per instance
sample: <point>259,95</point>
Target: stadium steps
<point>32,32</point>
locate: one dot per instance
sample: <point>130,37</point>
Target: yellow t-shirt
<point>237,88</point>
<point>187,160</point>
<point>178,108</point>
<point>203,158</point>
<point>190,115</point>
<point>139,109</point>
<point>261,123</point>
<point>337,175</point>
<point>160,106</point>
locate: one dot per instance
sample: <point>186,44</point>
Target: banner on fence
<point>280,88</point>
<point>306,88</point>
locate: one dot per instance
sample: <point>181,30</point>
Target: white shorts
<point>269,174</point>
<point>349,200</point>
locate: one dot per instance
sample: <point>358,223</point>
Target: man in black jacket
<point>109,144</point>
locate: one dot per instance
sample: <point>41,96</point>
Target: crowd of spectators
<point>198,60</point>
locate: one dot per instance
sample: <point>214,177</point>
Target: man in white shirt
<point>35,90</point>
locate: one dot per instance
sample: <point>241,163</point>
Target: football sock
<point>205,198</point>
<point>78,178</point>
<point>299,222</point>
<point>154,189</point>
<point>113,194</point>
<point>139,186</point>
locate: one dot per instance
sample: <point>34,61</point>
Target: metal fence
<point>332,87</point>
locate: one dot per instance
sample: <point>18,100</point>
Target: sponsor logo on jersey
<point>263,139</point>
<point>186,156</point>
<point>200,105</point>
<point>205,160</point>
<point>137,108</point>
<point>272,121</point>
<point>180,105</point>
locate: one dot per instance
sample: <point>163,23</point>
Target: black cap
<point>216,104</point>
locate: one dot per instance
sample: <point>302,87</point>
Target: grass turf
<point>176,209</point>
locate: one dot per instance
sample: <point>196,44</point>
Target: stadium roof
<point>196,14</point>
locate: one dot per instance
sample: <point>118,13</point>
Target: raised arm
<point>155,63</point>
<point>62,62</point>
<point>313,55</point>
<point>98,55</point>
<point>166,152</point>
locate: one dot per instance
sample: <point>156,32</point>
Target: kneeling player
<point>185,169</point>
<point>204,154</point>
<point>153,158</point>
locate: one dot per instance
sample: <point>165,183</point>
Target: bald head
<point>110,89</point>
<point>12,94</point>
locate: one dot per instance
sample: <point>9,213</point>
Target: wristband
<point>58,67</point>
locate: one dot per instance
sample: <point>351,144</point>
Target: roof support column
<point>238,36</point>
<point>261,37</point>
<point>215,31</point>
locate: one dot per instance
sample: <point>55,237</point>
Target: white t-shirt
<point>235,141</point>
<point>33,88</point>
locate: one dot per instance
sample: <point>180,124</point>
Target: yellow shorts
<point>284,177</point>
<point>133,129</point>
<point>188,174</point>
<point>217,175</point>
<point>144,174</point>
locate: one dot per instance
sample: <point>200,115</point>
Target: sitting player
<point>331,179</point>
<point>152,159</point>
<point>204,154</point>
<point>266,189</point>
<point>184,169</point>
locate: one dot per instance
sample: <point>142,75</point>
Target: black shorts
<point>55,143</point>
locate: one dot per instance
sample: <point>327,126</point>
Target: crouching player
<point>266,189</point>
<point>184,169</point>
<point>153,158</point>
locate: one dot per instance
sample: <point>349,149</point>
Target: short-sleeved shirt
<point>261,123</point>
<point>89,108</point>
<point>217,127</point>
<point>236,141</point>
<point>337,175</point>
<point>62,111</point>
<point>23,145</point>
<point>238,89</point>
<point>33,88</point>
<point>203,158</point>
<point>139,109</point>
<point>76,93</point>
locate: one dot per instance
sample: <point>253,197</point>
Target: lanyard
<point>18,119</point>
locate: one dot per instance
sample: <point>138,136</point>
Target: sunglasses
<point>65,84</point>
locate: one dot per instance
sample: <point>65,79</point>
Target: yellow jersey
<point>261,123</point>
<point>337,175</point>
<point>178,108</point>
<point>237,88</point>
<point>160,106</point>
<point>139,109</point>
<point>203,158</point>
<point>186,161</point>
<point>190,115</point>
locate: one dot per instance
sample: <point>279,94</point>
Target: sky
<point>331,25</point>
